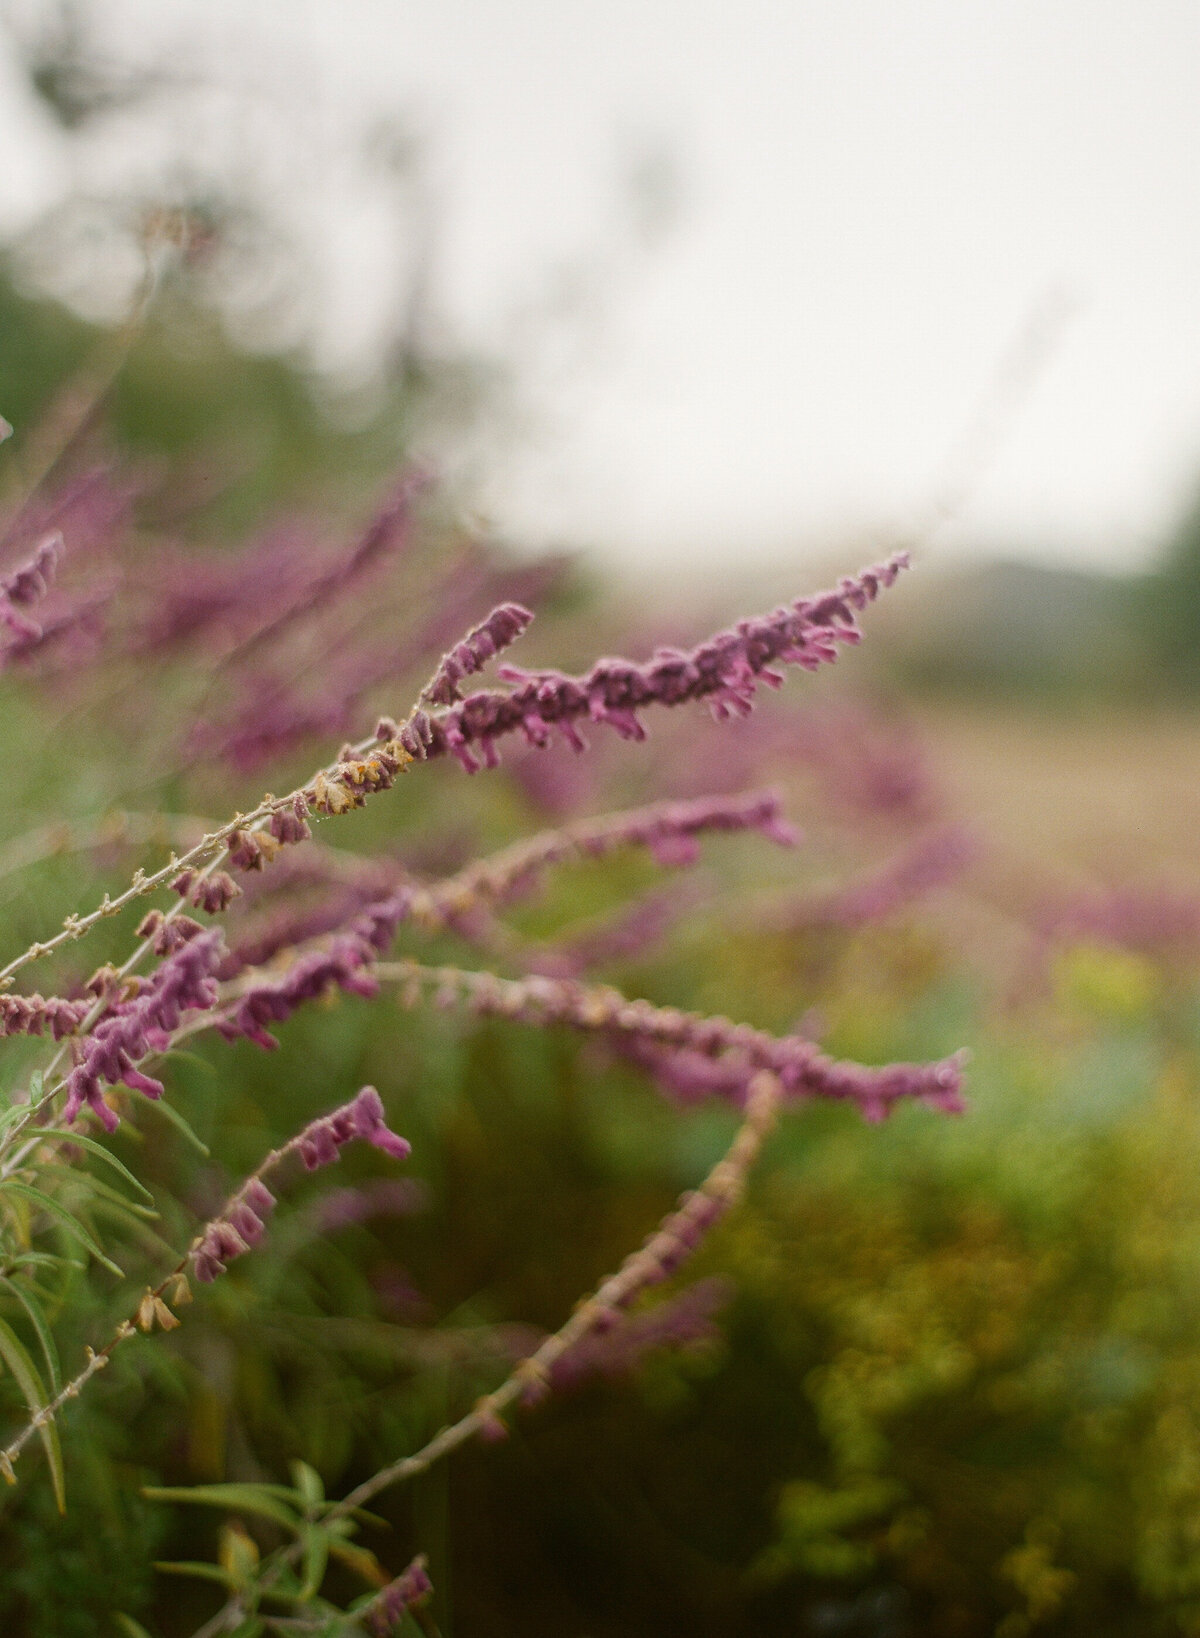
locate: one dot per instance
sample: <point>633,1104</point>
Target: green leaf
<point>176,1119</point>
<point>37,1319</point>
<point>203,1572</point>
<point>31,1385</point>
<point>359,1559</point>
<point>316,1557</point>
<point>104,1191</point>
<point>132,1628</point>
<point>71,1224</point>
<point>12,1115</point>
<point>234,1498</point>
<point>308,1484</point>
<point>41,1259</point>
<point>101,1153</point>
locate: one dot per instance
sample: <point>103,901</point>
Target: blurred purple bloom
<point>26,586</point>
<point>619,938</point>
<point>30,582</point>
<point>377,1197</point>
<point>871,767</point>
<point>344,964</point>
<point>931,862</point>
<point>383,1615</point>
<point>1156,921</point>
<point>682,1321</point>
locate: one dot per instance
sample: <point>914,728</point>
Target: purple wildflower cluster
<point>345,963</point>
<point>286,658</point>
<point>695,1056</point>
<point>145,1023</point>
<point>725,670</point>
<point>387,1609</point>
<point>616,1349</point>
<point>26,586</point>
<point>34,1014</point>
<point>242,1223</point>
<point>501,628</point>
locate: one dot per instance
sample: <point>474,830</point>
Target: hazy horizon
<point>847,216</point>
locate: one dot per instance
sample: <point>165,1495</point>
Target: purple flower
<point>243,1221</point>
<point>290,825</point>
<point>387,1609</point>
<point>725,670</point>
<point>212,893</point>
<point>241,1225</point>
<point>319,1144</point>
<point>501,628</point>
<point>31,1014</point>
<point>617,1349</point>
<point>131,1029</point>
<point>31,581</point>
<point>344,964</point>
<point>695,1056</point>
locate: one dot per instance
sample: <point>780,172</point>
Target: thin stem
<point>676,1237</point>
<point>121,827</point>
<point>175,1278</point>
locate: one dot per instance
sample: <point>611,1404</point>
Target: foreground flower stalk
<point>660,1256</point>
<point>235,1229</point>
<point>113,1033</point>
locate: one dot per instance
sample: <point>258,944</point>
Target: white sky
<point>873,195</point>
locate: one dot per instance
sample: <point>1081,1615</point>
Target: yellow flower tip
<point>166,1319</point>
<point>179,1290</point>
<point>326,796</point>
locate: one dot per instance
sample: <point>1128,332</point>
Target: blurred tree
<point>1166,607</point>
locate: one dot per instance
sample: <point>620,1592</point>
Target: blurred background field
<point>936,1376</point>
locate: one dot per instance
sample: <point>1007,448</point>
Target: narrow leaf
<point>37,1319</point>
<point>308,1483</point>
<point>316,1557</point>
<point>132,1628</point>
<point>105,1191</point>
<point>205,1572</point>
<point>101,1153</point>
<point>70,1223</point>
<point>235,1498</point>
<point>31,1385</point>
<point>167,1109</point>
